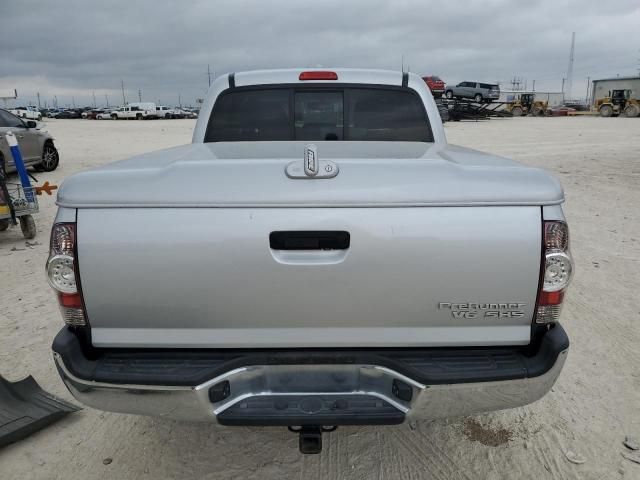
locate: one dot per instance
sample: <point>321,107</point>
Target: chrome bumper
<point>250,382</point>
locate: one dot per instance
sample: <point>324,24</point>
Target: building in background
<point>6,95</point>
<point>602,87</point>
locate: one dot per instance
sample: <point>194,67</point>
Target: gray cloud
<point>71,48</point>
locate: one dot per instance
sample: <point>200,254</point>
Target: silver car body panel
<point>173,246</point>
<point>252,174</point>
<point>194,277</point>
<point>427,401</point>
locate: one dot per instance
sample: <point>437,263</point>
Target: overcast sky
<point>74,48</point>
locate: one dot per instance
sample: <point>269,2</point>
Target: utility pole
<point>139,95</point>
<point>179,100</point>
<point>106,97</point>
<point>38,93</point>
<point>209,73</point>
<point>94,99</point>
<point>563,89</point>
<point>403,63</point>
<point>124,100</point>
<point>570,67</point>
<point>73,101</point>
<point>586,98</point>
<point>55,101</point>
<point>533,87</point>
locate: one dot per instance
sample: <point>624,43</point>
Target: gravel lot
<point>595,403</point>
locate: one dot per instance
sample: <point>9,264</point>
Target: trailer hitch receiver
<point>310,440</point>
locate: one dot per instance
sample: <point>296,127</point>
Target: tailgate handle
<point>309,240</point>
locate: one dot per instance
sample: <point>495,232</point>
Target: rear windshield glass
<point>319,114</point>
<point>488,86</point>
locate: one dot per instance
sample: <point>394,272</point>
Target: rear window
<point>318,114</point>
<point>488,86</point>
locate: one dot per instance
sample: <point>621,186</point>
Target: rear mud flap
<point>26,408</point>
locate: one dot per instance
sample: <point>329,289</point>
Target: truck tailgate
<point>208,277</point>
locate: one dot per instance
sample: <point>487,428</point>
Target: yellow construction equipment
<point>526,104</point>
<point>618,102</point>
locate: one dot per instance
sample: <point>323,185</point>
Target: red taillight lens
<point>62,273</point>
<point>318,75</point>
<point>557,268</point>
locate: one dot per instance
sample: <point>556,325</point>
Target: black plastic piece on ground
<point>401,390</point>
<point>191,367</point>
<point>306,410</point>
<point>25,408</point>
<point>310,441</point>
<point>219,391</point>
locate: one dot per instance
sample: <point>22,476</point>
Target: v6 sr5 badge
<point>484,310</point>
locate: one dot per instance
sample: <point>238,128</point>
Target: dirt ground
<point>595,403</point>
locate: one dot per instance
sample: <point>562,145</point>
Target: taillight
<point>318,75</point>
<point>557,270</point>
<point>62,271</point>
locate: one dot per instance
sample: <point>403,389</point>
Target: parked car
<point>435,84</point>
<point>30,112</point>
<point>36,146</point>
<point>93,114</point>
<point>133,112</point>
<point>67,114</point>
<point>163,111</point>
<point>104,114</point>
<point>291,267</point>
<point>479,92</point>
<point>52,112</point>
<point>189,113</point>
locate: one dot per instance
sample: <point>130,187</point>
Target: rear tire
<point>632,111</point>
<point>449,94</point>
<point>114,117</point>
<point>139,116</point>
<point>50,158</point>
<point>28,227</point>
<point>606,110</point>
<point>477,98</point>
<point>516,111</point>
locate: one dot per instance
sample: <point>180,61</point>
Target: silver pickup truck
<point>317,256</point>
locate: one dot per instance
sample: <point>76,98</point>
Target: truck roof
<point>344,75</point>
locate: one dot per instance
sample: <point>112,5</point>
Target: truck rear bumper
<point>319,387</point>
